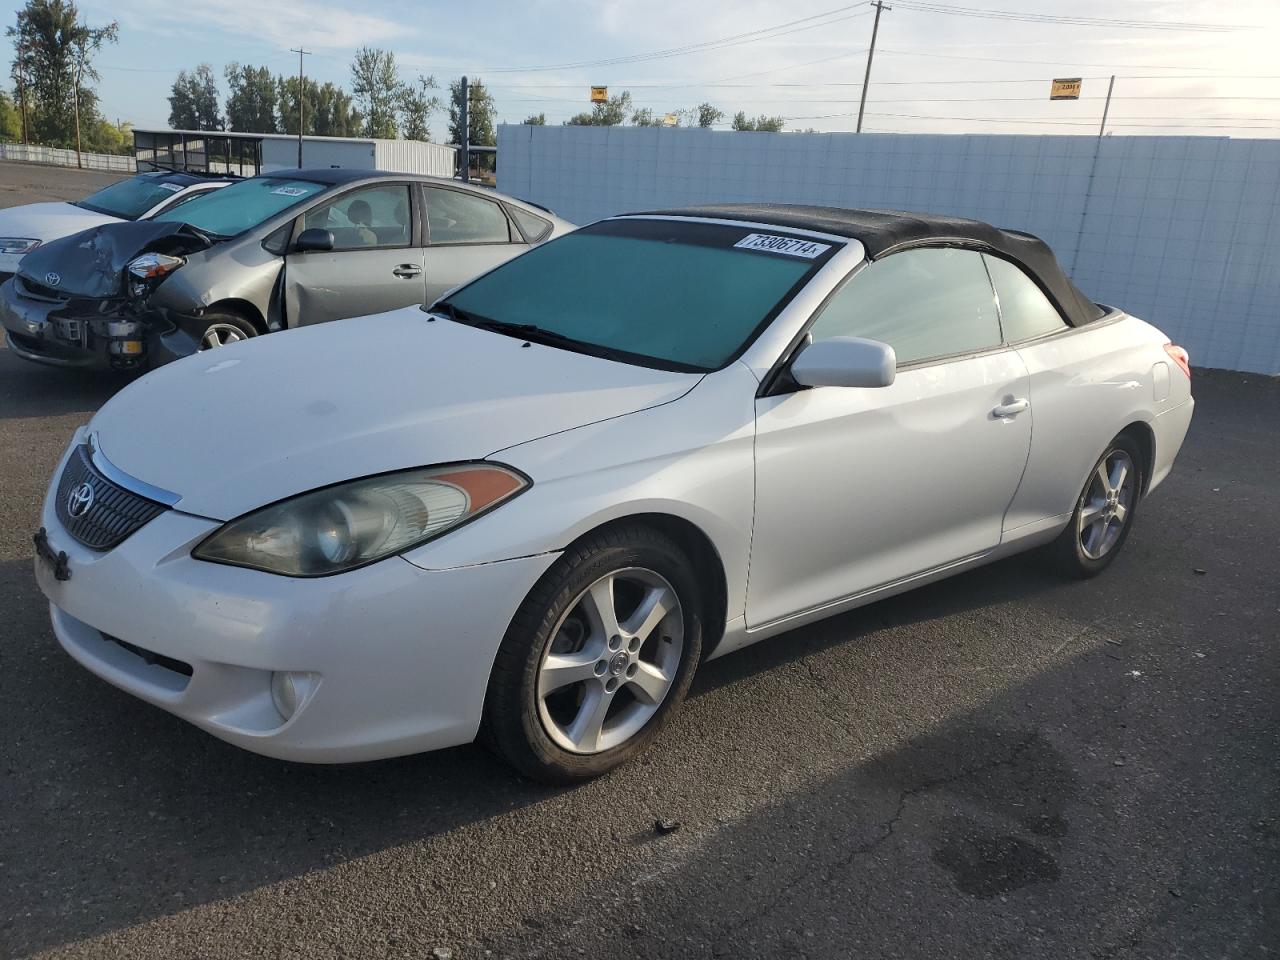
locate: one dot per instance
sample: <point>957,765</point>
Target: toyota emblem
<point>52,279</point>
<point>80,499</point>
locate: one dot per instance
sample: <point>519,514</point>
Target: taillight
<point>1179,356</point>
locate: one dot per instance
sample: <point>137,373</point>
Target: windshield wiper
<point>523,331</point>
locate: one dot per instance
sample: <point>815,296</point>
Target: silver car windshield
<point>675,294</point>
<point>242,206</point>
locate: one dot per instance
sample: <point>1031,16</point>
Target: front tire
<point>597,657</point>
<point>222,328</point>
<point>1104,512</point>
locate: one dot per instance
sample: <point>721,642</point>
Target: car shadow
<point>29,390</point>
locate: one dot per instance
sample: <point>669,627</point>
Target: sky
<point>934,71</point>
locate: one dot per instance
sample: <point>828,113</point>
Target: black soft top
<point>885,231</point>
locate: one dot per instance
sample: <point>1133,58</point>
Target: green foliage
<point>193,104</point>
<point>334,113</point>
<point>539,120</point>
<point>54,67</point>
<point>10,119</point>
<point>251,99</point>
<point>704,115</point>
<point>417,104</point>
<point>102,136</point>
<point>480,113</point>
<point>375,83</point>
<point>760,124</point>
<point>608,114</point>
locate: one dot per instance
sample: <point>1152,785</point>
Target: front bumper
<point>397,657</point>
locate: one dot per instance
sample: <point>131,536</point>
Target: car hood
<point>49,221</point>
<point>91,263</point>
<point>236,428</point>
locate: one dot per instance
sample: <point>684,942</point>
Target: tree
<point>645,118</point>
<point>608,114</point>
<point>193,104</point>
<point>10,121</point>
<point>704,115</point>
<point>480,113</point>
<point>417,104</point>
<point>539,120</point>
<point>334,113</point>
<point>103,136</point>
<point>375,83</point>
<point>251,99</point>
<point>54,65</point>
<point>760,124</point>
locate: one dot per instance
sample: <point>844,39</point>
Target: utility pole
<point>301,98</point>
<point>871,52</point>
<point>22,88</point>
<point>465,123</point>
<point>1107,106</point>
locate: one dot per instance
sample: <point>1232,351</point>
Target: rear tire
<point>1104,512</point>
<point>597,658</point>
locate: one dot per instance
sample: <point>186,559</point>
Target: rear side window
<point>1025,312</point>
<point>457,217</point>
<point>923,303</point>
<point>534,228</point>
<point>366,217</point>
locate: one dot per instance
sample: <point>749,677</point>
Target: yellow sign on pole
<point>1065,89</point>
<point>670,120</point>
<point>599,94</point>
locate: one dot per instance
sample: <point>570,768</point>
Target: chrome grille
<point>112,513</point>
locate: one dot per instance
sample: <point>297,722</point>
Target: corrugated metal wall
<point>1182,231</point>
<point>414,156</point>
<point>281,153</point>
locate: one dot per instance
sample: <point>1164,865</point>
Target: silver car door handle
<point>1011,408</point>
<point>408,271</point>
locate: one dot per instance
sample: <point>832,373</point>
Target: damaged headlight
<point>17,245</point>
<point>153,266</point>
<point>350,524</point>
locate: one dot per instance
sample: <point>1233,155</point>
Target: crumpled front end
<point>76,303</point>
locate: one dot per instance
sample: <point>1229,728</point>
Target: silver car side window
<point>925,303</point>
<point>369,217</point>
<point>455,217</point>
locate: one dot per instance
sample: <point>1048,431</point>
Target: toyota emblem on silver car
<point>52,279</point>
<point>80,499</point>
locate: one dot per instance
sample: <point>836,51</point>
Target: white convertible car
<point>26,227</point>
<point>528,512</point>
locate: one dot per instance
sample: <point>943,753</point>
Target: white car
<point>529,512</point>
<point>24,228</point>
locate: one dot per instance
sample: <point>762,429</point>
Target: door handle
<point>407,271</point>
<point>1011,408</point>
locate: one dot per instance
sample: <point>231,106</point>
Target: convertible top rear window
<point>680,295</point>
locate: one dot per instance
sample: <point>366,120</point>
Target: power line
<point>1050,63</point>
<point>988,14</point>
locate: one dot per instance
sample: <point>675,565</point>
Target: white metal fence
<point>1182,231</point>
<point>30,153</point>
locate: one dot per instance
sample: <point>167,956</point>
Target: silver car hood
<point>236,428</point>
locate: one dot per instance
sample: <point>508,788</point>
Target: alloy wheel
<point>1107,502</point>
<point>611,661</point>
<point>220,334</point>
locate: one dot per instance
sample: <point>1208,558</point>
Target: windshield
<point>663,293</point>
<point>130,199</point>
<point>242,206</point>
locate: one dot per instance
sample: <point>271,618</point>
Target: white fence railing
<point>30,153</point>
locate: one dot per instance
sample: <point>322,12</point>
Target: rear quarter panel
<point>1086,386</point>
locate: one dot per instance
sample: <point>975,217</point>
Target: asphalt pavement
<point>1000,765</point>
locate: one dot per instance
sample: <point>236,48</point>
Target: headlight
<point>354,523</point>
<point>152,266</point>
<point>18,245</point>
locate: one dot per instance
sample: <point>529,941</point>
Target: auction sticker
<point>171,187</point>
<point>792,247</point>
<point>291,191</point>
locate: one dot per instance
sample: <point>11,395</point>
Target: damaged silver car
<point>268,253</point>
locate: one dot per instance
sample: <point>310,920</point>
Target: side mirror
<point>314,239</point>
<point>845,362</point>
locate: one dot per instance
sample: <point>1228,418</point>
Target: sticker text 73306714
<point>791,246</point>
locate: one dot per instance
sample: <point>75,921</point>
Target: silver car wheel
<point>220,334</point>
<point>1104,509</point>
<point>611,661</point>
